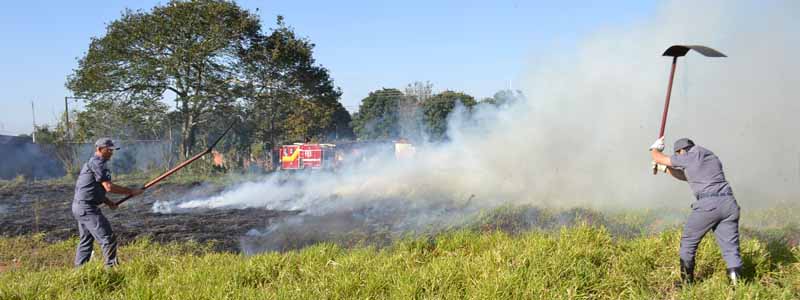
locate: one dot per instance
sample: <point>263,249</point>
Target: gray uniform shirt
<point>89,193</point>
<point>703,171</point>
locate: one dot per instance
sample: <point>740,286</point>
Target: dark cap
<point>682,144</point>
<point>105,143</point>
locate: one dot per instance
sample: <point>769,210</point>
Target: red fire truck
<point>307,156</point>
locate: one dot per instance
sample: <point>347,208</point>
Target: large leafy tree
<point>186,50</point>
<point>378,115</point>
<point>340,128</point>
<point>438,107</point>
<point>289,97</point>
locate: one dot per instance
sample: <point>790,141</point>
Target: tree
<point>187,48</point>
<point>419,91</point>
<point>54,141</point>
<point>138,119</point>
<point>378,115</point>
<point>410,110</point>
<point>505,97</point>
<point>438,107</point>
<point>340,128</point>
<point>289,97</point>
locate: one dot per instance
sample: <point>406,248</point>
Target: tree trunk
<point>187,137</point>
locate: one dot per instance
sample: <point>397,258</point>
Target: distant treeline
<point>218,64</point>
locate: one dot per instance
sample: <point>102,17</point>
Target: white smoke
<point>581,138</point>
<point>606,100</point>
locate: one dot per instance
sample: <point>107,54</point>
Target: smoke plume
<point>581,137</point>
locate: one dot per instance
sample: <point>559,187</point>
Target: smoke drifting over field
<point>581,137</point>
<point>606,101</point>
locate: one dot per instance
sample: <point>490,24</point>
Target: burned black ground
<point>44,208</point>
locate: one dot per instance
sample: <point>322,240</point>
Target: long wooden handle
<point>178,167</point>
<point>167,174</point>
<point>666,104</point>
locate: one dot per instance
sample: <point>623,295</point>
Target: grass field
<point>493,259</point>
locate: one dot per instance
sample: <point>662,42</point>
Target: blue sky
<point>477,47</point>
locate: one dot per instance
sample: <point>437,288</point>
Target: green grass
<point>19,180</point>
<point>579,262</point>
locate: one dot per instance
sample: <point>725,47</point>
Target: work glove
<point>659,167</point>
<point>658,145</point>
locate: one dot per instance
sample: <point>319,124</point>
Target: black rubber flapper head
<point>681,50</point>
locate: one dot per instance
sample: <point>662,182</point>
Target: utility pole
<point>33,112</point>
<point>66,116</point>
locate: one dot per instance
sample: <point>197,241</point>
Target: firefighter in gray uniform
<point>94,181</point>
<point>715,207</point>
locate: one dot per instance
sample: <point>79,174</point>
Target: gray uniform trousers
<point>720,214</point>
<point>92,224</point>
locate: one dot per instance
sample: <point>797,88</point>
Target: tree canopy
<point>438,107</point>
<point>505,97</point>
<point>137,119</point>
<point>378,115</point>
<point>289,97</point>
<point>188,48</point>
<point>214,60</point>
<point>417,114</point>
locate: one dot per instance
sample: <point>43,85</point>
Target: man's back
<point>703,171</point>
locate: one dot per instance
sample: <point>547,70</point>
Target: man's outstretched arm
<point>664,160</point>
<point>660,158</point>
<point>116,189</point>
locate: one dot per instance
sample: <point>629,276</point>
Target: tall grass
<point>578,262</point>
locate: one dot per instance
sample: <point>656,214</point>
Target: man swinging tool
<point>715,208</point>
<point>94,181</point>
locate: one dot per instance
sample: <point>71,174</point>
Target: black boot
<point>687,273</point>
<point>735,274</point>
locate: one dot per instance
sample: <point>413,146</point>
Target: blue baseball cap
<point>683,143</point>
<point>105,143</point>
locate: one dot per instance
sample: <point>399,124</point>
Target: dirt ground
<point>45,208</point>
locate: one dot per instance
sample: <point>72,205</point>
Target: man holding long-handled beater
<point>716,208</point>
<point>94,181</point>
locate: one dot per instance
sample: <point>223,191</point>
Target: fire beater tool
<point>179,166</point>
<point>677,51</point>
